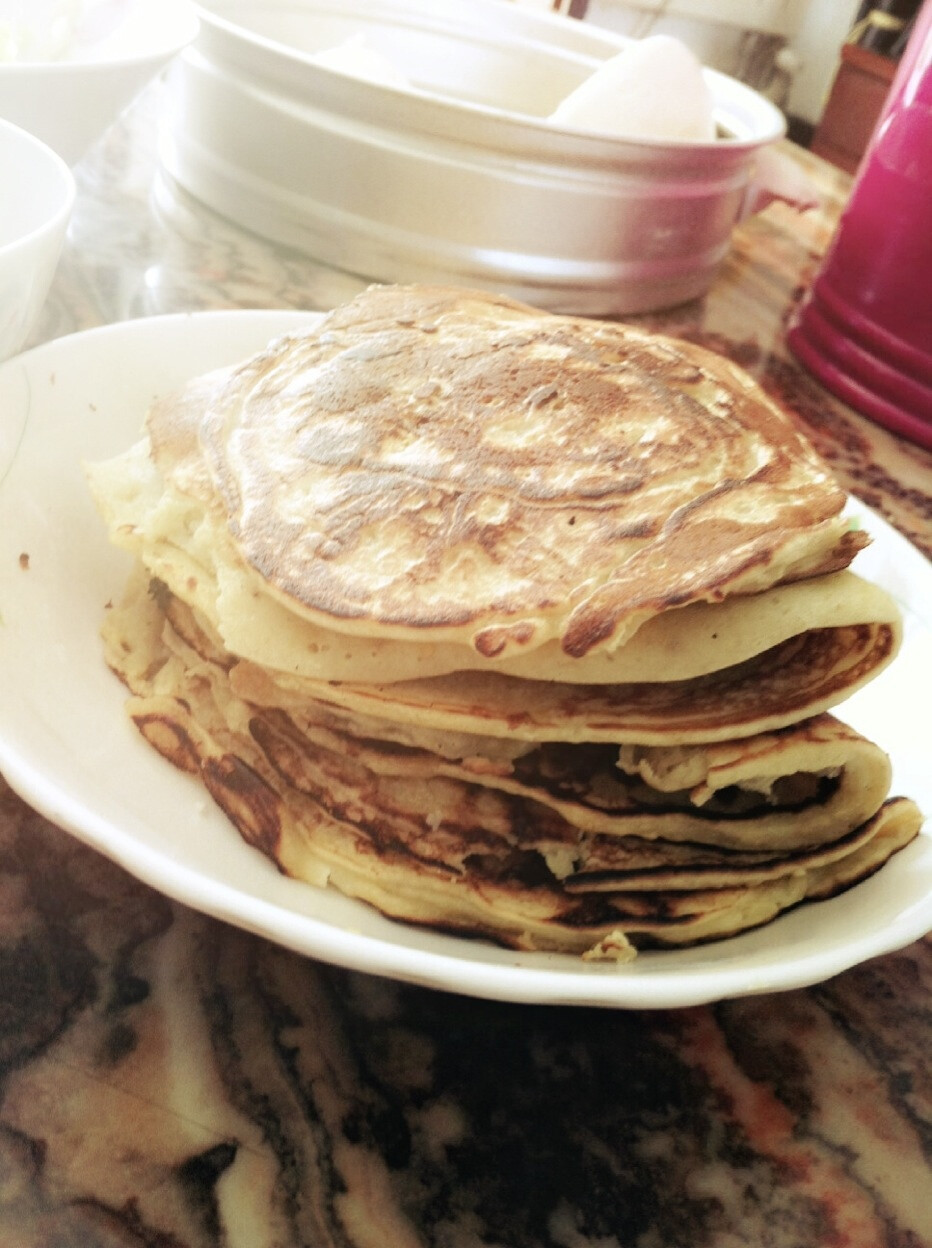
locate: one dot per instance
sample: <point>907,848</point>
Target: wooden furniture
<point>856,98</point>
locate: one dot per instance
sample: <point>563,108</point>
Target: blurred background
<point>826,63</point>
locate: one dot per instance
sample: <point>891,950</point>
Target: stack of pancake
<point>510,624</point>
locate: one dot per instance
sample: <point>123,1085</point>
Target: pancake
<point>742,794</point>
<point>464,850</point>
<point>520,626</point>
<point>438,465</point>
<point>538,846</point>
<point>181,539</point>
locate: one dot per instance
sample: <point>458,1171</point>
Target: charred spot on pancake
<point>160,593</point>
<point>169,736</point>
<point>493,641</point>
<point>248,802</point>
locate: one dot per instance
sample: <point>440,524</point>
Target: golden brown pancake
<point>434,464</point>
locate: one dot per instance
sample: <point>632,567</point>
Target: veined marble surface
<point>167,1081</point>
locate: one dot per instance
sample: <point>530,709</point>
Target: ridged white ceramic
<point>458,176</point>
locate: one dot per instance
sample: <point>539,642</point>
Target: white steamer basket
<point>459,178</point>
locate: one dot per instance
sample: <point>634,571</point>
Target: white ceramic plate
<point>67,747</point>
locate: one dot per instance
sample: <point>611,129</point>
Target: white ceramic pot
<point>458,177</point>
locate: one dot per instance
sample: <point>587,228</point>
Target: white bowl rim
<point>178,34</point>
<point>63,209</point>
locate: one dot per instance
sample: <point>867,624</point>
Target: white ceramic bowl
<point>111,54</point>
<point>37,192</point>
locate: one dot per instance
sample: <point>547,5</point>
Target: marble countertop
<point>167,1081</point>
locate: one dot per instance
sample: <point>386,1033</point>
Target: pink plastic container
<point>864,329</point>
